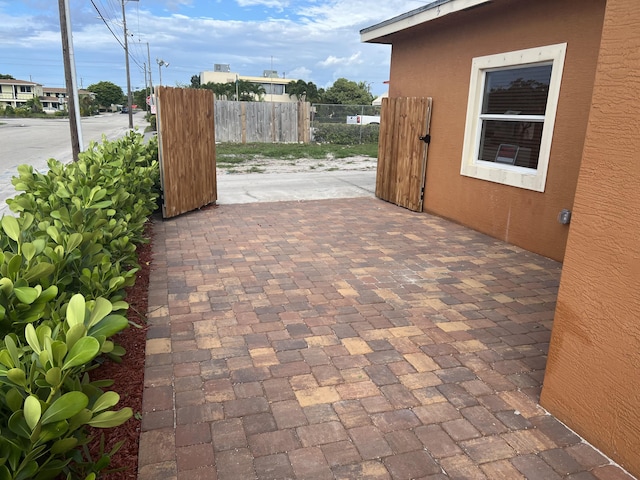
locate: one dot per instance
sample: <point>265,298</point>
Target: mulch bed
<point>128,376</point>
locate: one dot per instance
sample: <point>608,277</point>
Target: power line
<point>114,35</point>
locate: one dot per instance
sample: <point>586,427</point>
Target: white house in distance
<point>274,86</point>
<point>16,93</point>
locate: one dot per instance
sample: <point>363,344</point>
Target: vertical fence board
<point>186,131</point>
<point>401,154</point>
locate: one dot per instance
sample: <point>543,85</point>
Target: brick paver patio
<point>349,339</point>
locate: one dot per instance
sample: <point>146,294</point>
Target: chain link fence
<point>345,124</point>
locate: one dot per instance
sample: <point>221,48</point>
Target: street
<point>33,141</point>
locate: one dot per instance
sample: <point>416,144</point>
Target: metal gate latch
<point>426,139</point>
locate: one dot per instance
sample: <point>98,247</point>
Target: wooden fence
<point>186,142</point>
<point>262,122</point>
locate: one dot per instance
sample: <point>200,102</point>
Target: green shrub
<point>346,134</point>
<point>64,264</point>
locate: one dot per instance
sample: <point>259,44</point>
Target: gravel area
<point>272,165</point>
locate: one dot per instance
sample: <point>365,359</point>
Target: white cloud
<point>299,73</point>
<point>280,4</point>
<point>333,61</point>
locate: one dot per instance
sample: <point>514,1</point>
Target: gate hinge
<point>426,139</point>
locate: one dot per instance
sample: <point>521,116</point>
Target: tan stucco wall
<point>592,381</point>
<point>435,60</point>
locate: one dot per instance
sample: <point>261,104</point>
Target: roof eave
<point>438,9</point>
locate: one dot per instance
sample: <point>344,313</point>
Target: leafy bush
<point>64,264</point>
<point>345,134</point>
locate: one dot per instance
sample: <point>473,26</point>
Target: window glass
<point>525,137</point>
<point>521,91</point>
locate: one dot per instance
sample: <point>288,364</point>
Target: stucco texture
<point>435,59</point>
<point>592,380</point>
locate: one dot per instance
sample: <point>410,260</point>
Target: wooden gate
<point>187,149</point>
<point>402,151</point>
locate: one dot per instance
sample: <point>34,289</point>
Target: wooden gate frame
<point>186,149</point>
<point>402,151</point>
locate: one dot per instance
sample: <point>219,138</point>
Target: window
<point>510,116</point>
<point>273,88</point>
<point>25,89</point>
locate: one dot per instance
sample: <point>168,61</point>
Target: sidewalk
<point>349,339</point>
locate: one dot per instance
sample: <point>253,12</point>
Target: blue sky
<point>315,40</point>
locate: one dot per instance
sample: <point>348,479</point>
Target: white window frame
<point>521,177</point>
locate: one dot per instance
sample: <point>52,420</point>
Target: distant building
<point>16,93</point>
<point>274,86</point>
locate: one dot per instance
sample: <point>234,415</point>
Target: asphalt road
<point>33,141</point>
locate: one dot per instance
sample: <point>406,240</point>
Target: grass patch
<point>239,152</point>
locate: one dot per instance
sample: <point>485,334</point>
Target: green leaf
<point>54,234</point>
<point>38,271</point>
<point>5,359</point>
<point>18,425</point>
<point>73,241</point>
<point>64,445</point>
<point>28,471</point>
<point>53,376</point>
<point>11,227</point>
<point>106,400</point>
<point>101,309</point>
<point>107,346</point>
<point>11,347</point>
<point>111,419</point>
<point>109,326</point>
<point>4,473</point>
<point>48,294</point>
<point>14,399</point>
<point>6,285</point>
<point>32,338</point>
<point>32,411</point>
<point>76,310</point>
<point>13,267</point>
<point>52,431</point>
<point>26,295</point>
<point>74,334</point>
<point>65,407</point>
<point>59,351</point>
<point>84,350</point>
<point>17,376</point>
<point>29,251</point>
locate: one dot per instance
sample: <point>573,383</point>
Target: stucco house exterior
<point>536,109</point>
<point>16,92</point>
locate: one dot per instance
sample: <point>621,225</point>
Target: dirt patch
<point>226,165</point>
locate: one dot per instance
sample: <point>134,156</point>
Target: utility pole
<point>126,54</point>
<point>70,79</point>
<point>152,101</point>
<point>146,86</point>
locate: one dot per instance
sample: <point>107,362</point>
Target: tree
<point>107,93</point>
<point>34,105</point>
<point>303,90</point>
<point>195,81</point>
<point>87,105</point>
<point>347,92</point>
<point>246,91</point>
<point>140,97</point>
<point>5,76</point>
